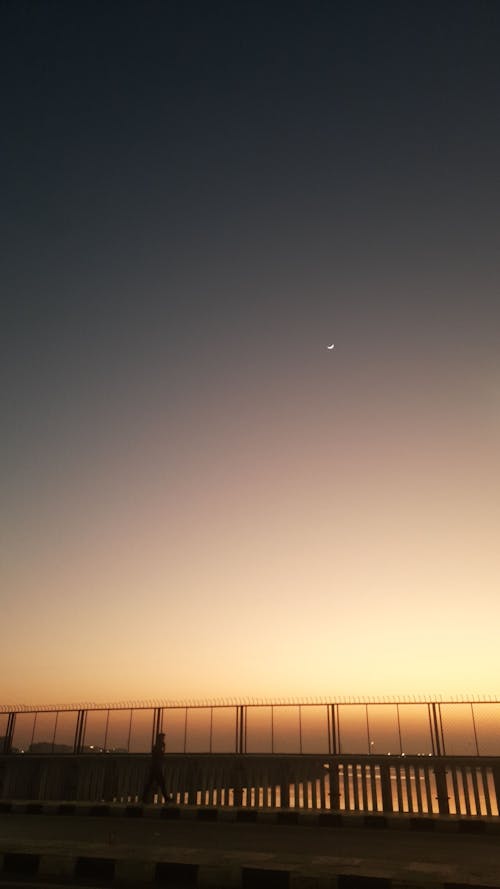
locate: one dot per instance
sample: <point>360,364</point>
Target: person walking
<point>155,775</point>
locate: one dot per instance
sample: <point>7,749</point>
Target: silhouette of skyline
<point>198,498</point>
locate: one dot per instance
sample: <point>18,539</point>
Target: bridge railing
<point>369,784</point>
<point>458,728</point>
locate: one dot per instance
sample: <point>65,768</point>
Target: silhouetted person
<point>155,776</point>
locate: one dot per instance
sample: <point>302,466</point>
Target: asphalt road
<point>395,853</point>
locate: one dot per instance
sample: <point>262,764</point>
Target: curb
<point>134,873</point>
<point>472,824</point>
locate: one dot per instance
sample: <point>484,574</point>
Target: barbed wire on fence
<point>168,703</point>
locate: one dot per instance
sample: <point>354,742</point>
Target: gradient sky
<point>197,498</point>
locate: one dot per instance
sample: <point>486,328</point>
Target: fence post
<point>335,736</point>
<point>436,729</point>
<point>240,729</point>
<point>238,779</point>
<point>157,724</point>
<point>441,788</point>
<point>442,797</point>
<point>79,731</point>
<point>9,733</point>
<point>496,782</point>
<point>285,790</point>
<point>240,745</point>
<point>385,786</point>
<point>333,773</point>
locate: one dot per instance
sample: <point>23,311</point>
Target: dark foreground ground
<point>62,849</point>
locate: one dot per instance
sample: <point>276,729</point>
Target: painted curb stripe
<point>19,865</point>
<point>370,821</point>
<point>25,863</point>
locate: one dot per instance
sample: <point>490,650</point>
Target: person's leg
<point>159,780</point>
<point>147,787</point>
<point>163,787</point>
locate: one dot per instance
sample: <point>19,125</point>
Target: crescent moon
<point>331,347</point>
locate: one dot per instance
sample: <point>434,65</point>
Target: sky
<point>199,499</point>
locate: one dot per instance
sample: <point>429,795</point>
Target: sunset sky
<point>198,499</point>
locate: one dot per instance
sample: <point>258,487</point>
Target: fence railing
<point>396,727</point>
<point>370,784</point>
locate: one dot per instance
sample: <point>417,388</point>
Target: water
<point>413,790</point>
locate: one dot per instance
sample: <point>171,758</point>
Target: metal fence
<point>366,783</point>
<point>366,727</point>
